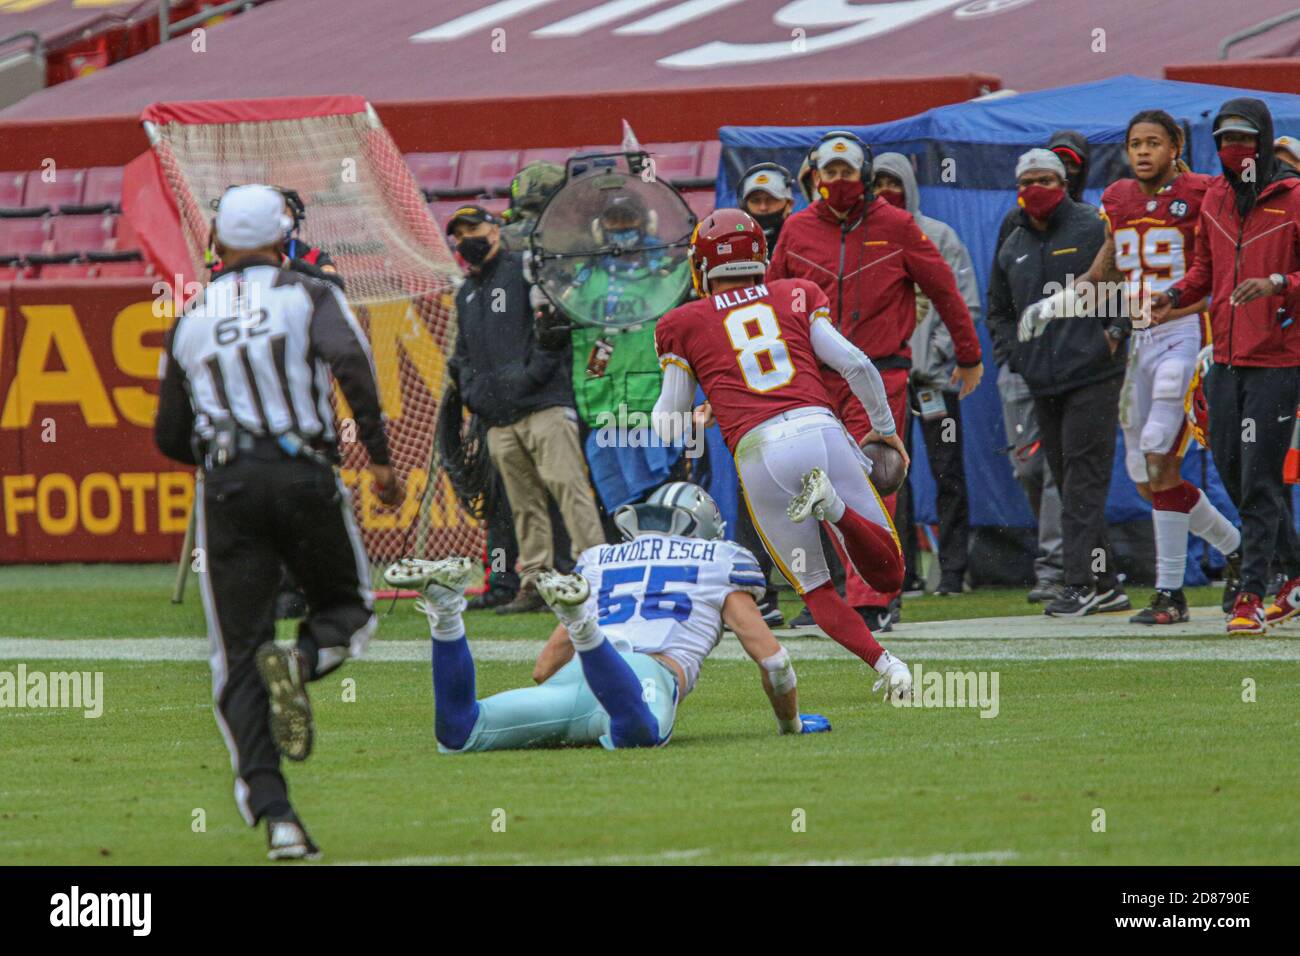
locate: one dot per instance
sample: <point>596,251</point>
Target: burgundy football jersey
<point>750,349</point>
<point>1154,235</point>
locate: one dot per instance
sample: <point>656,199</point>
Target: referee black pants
<point>1078,433</point>
<point>252,515</point>
<point>1251,414</point>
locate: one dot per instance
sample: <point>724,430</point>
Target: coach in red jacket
<point>1248,261</point>
<point>869,256</point>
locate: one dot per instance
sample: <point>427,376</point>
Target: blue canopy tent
<point>965,155</point>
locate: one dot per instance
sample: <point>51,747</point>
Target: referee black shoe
<point>1231,580</point>
<point>287,839</point>
<point>291,723</point>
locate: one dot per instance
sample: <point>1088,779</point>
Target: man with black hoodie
<point>1248,262</point>
<point>1074,370</point>
<point>1072,149</point>
<point>522,393</point>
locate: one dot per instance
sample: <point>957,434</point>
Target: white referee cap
<point>1040,159</point>
<point>252,216</point>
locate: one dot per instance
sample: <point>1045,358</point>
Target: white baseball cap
<point>1040,159</point>
<point>842,147</point>
<point>252,216</point>
<point>1290,144</point>
<point>775,182</point>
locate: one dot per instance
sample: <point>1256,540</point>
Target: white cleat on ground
<point>814,498</point>
<point>565,594</point>
<point>895,678</point>
<point>443,581</point>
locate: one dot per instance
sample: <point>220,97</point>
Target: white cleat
<point>895,678</point>
<point>563,592</point>
<point>814,498</point>
<point>448,574</point>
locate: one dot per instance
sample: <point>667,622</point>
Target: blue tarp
<point>965,156</point>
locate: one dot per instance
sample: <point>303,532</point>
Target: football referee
<point>246,395</point>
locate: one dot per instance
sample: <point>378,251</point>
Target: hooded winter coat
<point>1076,142</point>
<point>933,355</point>
<point>1232,247</point>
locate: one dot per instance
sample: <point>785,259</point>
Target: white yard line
<point>911,642</point>
<point>666,858</point>
<point>673,857</point>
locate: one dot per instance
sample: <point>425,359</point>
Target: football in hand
<point>887,469</point>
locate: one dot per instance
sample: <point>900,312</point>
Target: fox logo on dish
<point>103,909</point>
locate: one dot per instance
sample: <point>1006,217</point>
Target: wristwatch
<point>1279,282</point>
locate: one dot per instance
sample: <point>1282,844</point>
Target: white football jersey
<point>663,594</point>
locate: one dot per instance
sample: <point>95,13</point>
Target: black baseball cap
<point>473,215</point>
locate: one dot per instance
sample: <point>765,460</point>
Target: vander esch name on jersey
<point>734,297</point>
<point>658,549</point>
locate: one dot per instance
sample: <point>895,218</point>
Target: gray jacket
<point>933,358</point>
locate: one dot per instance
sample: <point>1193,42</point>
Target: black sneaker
<point>291,723</point>
<point>1072,602</point>
<point>526,601</point>
<point>896,610</point>
<point>879,619</point>
<point>1044,592</point>
<point>1112,599</point>
<point>490,599</point>
<point>1231,580</point>
<point>287,839</point>
<point>949,585</point>
<point>770,608</point>
<point>1166,607</point>
<point>803,619</point>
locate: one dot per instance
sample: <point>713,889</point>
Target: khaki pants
<point>535,455</point>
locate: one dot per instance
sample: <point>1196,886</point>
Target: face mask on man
<point>474,249</point>
<point>1237,158</point>
<point>1040,201</point>
<point>843,194</point>
<point>623,238</point>
<point>770,223</point>
<point>893,197</point>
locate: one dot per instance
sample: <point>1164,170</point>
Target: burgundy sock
<point>1181,497</point>
<point>843,624</point>
<point>873,551</point>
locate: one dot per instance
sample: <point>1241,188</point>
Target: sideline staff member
<point>246,393</point>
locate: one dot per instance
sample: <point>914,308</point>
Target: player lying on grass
<point>641,617</point>
<point>756,349</point>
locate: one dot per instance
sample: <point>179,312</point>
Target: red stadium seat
<point>103,187</point>
<point>701,201</point>
<point>64,190</point>
<point>434,171</point>
<point>123,270</point>
<point>558,155</point>
<point>81,234</point>
<point>710,157</point>
<point>64,270</point>
<point>489,168</point>
<point>675,161</point>
<point>12,271</point>
<point>11,189</point>
<point>23,237</point>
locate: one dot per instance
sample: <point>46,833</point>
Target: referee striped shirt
<point>259,346</point>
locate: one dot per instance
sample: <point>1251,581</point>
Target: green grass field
<point>1185,770</point>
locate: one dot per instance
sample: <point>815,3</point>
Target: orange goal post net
<point>363,208</point>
